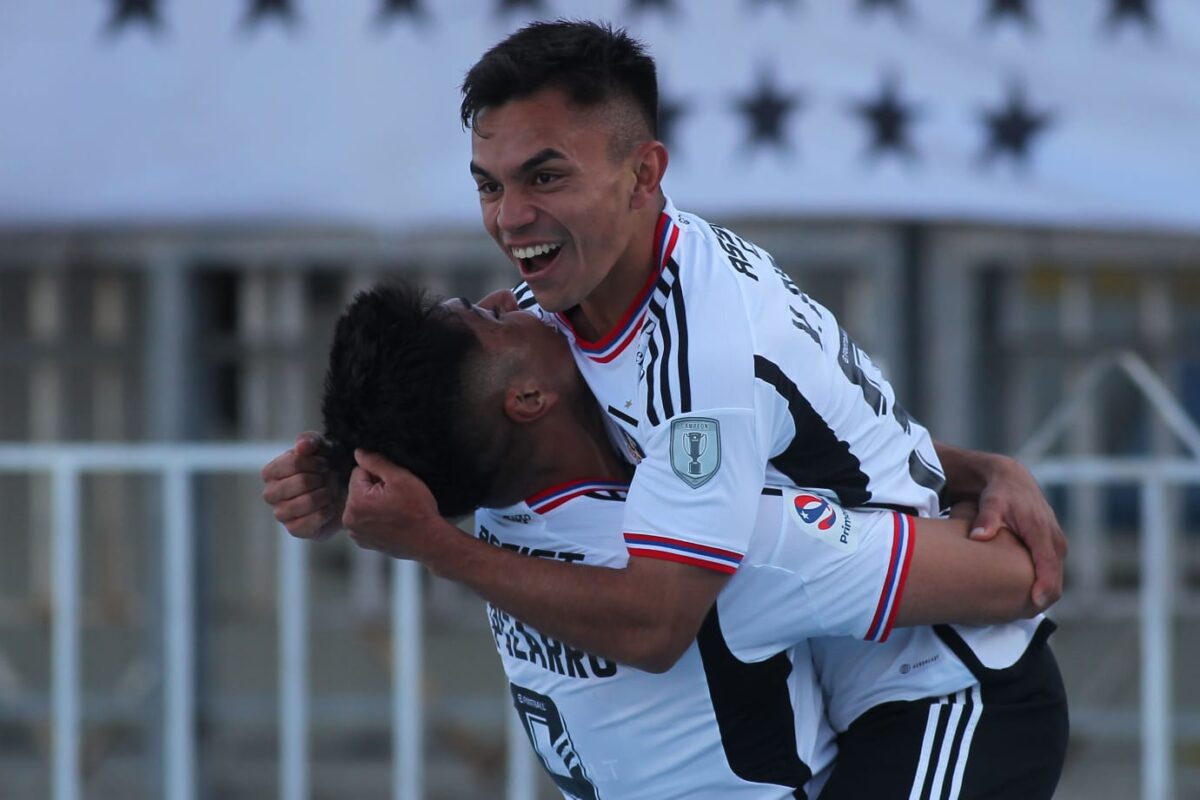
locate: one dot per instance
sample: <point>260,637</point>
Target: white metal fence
<point>1159,580</point>
<point>178,464</point>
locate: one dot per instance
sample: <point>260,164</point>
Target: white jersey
<point>715,725</point>
<point>723,376</point>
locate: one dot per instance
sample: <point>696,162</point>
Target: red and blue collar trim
<point>613,343</point>
<point>555,496</point>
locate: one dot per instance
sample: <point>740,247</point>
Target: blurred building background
<point>990,195</point>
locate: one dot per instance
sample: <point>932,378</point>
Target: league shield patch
<point>695,449</point>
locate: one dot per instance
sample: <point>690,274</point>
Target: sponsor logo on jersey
<point>522,519</point>
<point>815,511</point>
<point>823,520</point>
<point>695,449</point>
<point>907,668</point>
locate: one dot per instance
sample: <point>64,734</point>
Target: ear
<point>527,402</point>
<point>649,166</point>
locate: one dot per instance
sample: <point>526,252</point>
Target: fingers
<point>986,525</point>
<point>376,464</point>
<point>290,463</point>
<point>315,526</point>
<point>309,443</point>
<point>280,490</point>
<point>303,505</point>
<point>361,488</point>
<point>362,480</point>
<point>1047,577</point>
<point>1048,556</point>
<point>965,510</point>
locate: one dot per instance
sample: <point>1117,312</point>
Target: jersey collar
<point>550,499</point>
<point>613,343</point>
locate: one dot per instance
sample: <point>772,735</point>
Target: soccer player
<point>741,700</point>
<point>717,373</point>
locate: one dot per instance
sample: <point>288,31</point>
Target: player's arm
<point>1010,498</point>
<point>645,615</point>
<point>952,578</point>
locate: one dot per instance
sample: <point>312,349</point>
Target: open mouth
<point>536,258</point>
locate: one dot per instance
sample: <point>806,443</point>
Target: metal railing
<point>1157,582</point>
<point>177,464</point>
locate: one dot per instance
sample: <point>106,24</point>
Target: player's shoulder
<point>519,514</point>
<point>713,252</point>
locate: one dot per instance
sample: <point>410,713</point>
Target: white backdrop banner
<point>1072,112</point>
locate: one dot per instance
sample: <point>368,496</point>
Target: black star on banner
<point>671,112</point>
<point>1011,10</point>
<point>898,7</point>
<point>389,10</point>
<point>1012,129</point>
<point>528,6</point>
<point>766,111</point>
<point>788,4</point>
<point>665,7</point>
<point>887,118</point>
<point>260,10</point>
<point>1121,12</point>
<point>127,12</point>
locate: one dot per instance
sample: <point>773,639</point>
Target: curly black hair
<point>396,386</point>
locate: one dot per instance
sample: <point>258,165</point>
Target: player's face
<point>515,331</point>
<point>553,195</point>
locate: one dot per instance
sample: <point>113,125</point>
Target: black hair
<point>591,61</point>
<point>396,385</point>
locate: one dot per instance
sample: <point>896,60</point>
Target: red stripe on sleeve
<point>887,581</point>
<point>725,569</point>
<point>908,551</point>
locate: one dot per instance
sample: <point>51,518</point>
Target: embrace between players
<point>708,534</point>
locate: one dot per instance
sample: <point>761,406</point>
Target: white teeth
<point>534,250</point>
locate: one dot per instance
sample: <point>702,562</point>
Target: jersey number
<point>552,743</point>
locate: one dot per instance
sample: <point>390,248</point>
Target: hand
<point>389,509</point>
<point>965,510</point>
<point>303,491</point>
<point>1012,499</point>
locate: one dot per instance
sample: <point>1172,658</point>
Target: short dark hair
<point>591,61</point>
<point>396,386</point>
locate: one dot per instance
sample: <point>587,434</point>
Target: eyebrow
<point>530,164</point>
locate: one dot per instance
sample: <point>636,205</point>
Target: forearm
<point>611,613</point>
<point>953,579</point>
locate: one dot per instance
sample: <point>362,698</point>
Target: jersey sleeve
<point>694,494</point>
<point>827,572</point>
<point>887,540</point>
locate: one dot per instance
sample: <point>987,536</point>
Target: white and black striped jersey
<point>740,714</point>
<point>722,377</point>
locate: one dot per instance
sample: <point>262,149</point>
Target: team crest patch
<point>822,519</point>
<point>695,449</point>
